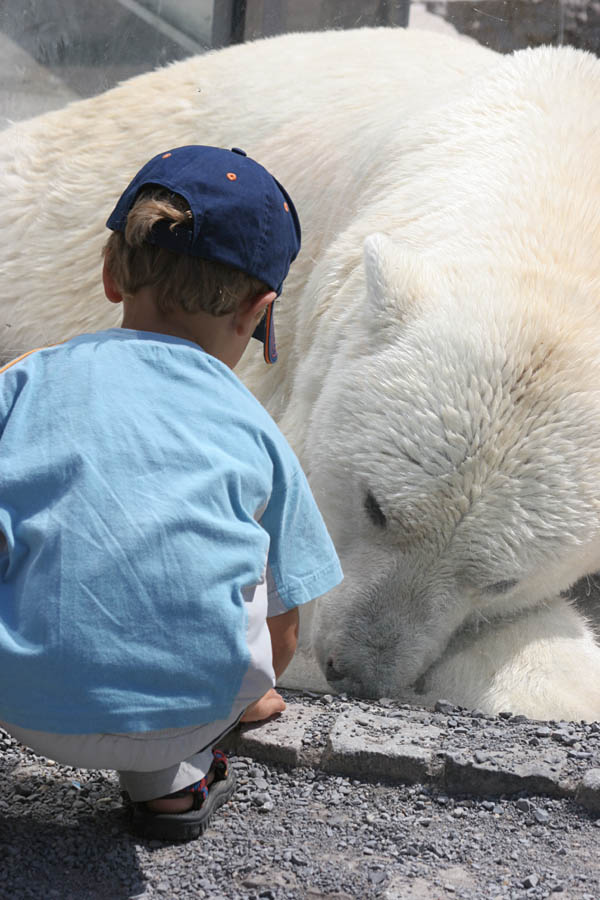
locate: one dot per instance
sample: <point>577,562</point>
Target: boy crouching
<point>158,531</point>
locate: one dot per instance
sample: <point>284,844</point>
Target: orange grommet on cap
<point>232,176</point>
<point>166,155</point>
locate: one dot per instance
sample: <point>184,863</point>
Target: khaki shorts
<point>150,764</point>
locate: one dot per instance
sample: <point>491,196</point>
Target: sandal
<point>188,825</point>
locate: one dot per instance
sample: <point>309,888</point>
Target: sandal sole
<point>185,826</point>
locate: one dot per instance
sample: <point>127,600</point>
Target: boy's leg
<point>184,813</point>
<point>148,786</point>
<point>202,776</point>
<point>144,752</point>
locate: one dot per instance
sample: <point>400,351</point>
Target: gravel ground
<point>305,833</point>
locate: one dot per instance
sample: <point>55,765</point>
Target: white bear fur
<point>439,335</point>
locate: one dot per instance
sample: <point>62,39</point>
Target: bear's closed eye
<point>501,587</point>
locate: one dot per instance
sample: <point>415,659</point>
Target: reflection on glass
<point>54,51</point>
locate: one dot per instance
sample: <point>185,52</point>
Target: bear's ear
<point>397,281</point>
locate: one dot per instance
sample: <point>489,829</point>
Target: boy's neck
<point>212,333</point>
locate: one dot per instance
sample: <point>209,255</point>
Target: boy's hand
<point>284,637</point>
<point>269,704</point>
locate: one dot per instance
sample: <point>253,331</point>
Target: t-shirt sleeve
<point>302,562</point>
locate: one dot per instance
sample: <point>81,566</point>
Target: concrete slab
<point>379,747</point>
<point>281,740</point>
<point>505,773</point>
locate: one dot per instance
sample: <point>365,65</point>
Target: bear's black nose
<point>331,673</point>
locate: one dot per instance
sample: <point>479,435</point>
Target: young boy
<point>158,533</point>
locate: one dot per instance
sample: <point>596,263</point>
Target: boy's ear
<point>110,288</point>
<point>250,311</point>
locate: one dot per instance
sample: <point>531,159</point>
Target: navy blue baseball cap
<point>241,216</point>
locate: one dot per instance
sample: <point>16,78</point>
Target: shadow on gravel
<point>89,860</point>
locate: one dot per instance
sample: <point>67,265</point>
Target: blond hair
<point>178,280</point>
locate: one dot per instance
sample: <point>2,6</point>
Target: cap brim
<point>265,332</point>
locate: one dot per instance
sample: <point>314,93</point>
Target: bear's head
<point>460,472</point>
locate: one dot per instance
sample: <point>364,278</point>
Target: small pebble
<point>444,706</point>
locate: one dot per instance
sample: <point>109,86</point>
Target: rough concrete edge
<point>587,792</point>
<point>438,770</point>
<point>241,743</point>
<point>462,777</point>
<point>377,765</point>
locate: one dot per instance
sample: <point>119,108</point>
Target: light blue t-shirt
<point>144,494</point>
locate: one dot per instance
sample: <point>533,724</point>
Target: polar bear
<point>439,335</point>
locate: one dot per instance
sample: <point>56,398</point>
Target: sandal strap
<point>220,769</point>
<point>198,787</point>
<point>221,765</point>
